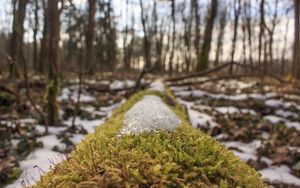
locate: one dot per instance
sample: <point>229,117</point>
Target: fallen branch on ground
<point>228,77</point>
<point>216,69</point>
<point>10,91</point>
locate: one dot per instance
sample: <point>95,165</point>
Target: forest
<point>132,71</point>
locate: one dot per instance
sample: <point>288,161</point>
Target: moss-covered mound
<point>184,157</point>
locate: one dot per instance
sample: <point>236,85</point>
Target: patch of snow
<point>157,85</point>
<point>88,125</point>
<point>77,138</point>
<point>257,96</point>
<point>296,125</point>
<point>227,110</point>
<point>149,114</point>
<point>129,83</point>
<point>286,114</point>
<point>271,95</point>
<point>51,129</point>
<point>244,156</point>
<point>281,174</point>
<point>248,111</point>
<point>274,119</point>
<point>38,162</point>
<point>117,84</point>
<point>202,119</point>
<point>274,103</point>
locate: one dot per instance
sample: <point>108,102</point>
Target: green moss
<point>12,175</point>
<point>184,157</point>
<point>52,107</point>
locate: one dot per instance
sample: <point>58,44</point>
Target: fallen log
<point>160,149</point>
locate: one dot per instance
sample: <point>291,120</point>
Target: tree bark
<point>261,32</point>
<point>16,41</point>
<point>237,11</point>
<point>220,36</point>
<point>146,39</point>
<point>296,56</point>
<point>89,36</point>
<point>35,31</point>
<point>204,54</point>
<point>171,60</point>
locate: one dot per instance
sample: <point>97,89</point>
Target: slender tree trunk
<point>171,60</point>
<point>35,31</point>
<point>220,36</point>
<point>204,54</point>
<point>282,70</point>
<point>296,56</point>
<point>146,39</point>
<point>44,42</point>
<point>89,36</point>
<point>249,29</point>
<point>261,32</point>
<point>195,6</point>
<point>16,37</point>
<point>237,11</point>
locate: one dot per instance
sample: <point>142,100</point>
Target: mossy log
<point>185,157</point>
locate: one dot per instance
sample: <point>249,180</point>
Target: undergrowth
<point>185,157</point>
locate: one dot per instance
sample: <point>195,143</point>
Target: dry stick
<point>111,91</point>
<point>143,73</point>
<point>28,92</point>
<point>198,74</point>
<point>10,91</point>
<point>213,79</point>
<point>77,107</point>
<point>203,73</point>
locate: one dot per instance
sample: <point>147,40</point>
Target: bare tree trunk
<point>16,37</point>
<point>221,35</point>
<point>204,54</point>
<point>249,29</point>
<point>296,56</point>
<point>146,39</point>
<point>271,34</point>
<point>44,42</point>
<point>195,6</point>
<point>35,31</point>
<point>89,36</point>
<point>53,60</point>
<point>261,32</point>
<point>173,36</point>
<point>282,70</point>
<point>125,45</point>
<point>237,11</point>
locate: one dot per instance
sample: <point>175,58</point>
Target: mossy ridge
<point>185,157</point>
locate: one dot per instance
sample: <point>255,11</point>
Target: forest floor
<point>260,123</point>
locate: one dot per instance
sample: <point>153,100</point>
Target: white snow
<point>201,119</point>
<point>286,114</point>
<point>38,162</point>
<point>281,174</point>
<point>149,114</point>
<point>274,119</point>
<point>117,84</point>
<point>227,110</point>
<point>157,85</point>
<point>274,103</point>
<point>296,125</point>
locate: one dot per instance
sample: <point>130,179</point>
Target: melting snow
<point>149,114</point>
<point>281,173</point>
